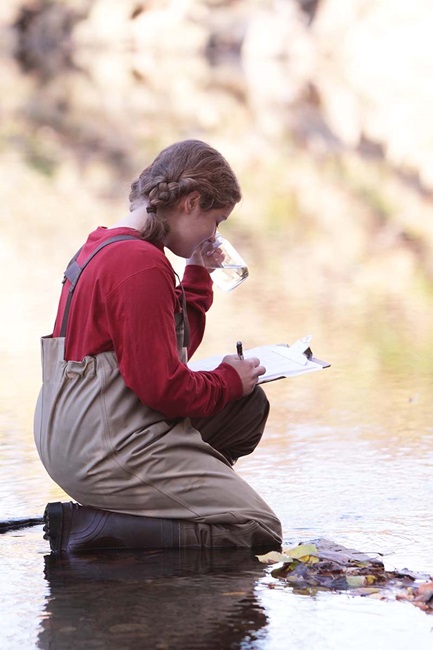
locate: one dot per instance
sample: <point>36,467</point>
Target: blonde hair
<point>181,168</point>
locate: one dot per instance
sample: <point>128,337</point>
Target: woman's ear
<point>191,201</point>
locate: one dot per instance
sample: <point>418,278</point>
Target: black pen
<point>239,350</point>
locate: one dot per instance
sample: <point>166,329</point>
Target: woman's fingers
<point>249,370</point>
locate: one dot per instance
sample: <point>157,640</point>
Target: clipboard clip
<point>300,351</point>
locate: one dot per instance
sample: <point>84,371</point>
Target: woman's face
<point>191,226</point>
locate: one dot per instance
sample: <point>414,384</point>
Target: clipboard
<point>280,360</point>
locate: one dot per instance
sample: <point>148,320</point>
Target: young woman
<point>144,445</point>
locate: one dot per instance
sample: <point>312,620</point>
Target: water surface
<point>347,455</point>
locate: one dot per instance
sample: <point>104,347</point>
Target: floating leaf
<point>360,581</point>
<point>306,553</point>
<point>282,571</point>
<point>272,557</point>
<point>301,551</point>
<point>309,559</point>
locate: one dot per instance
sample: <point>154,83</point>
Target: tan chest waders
<point>112,453</point>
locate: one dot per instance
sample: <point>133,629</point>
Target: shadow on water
<point>158,599</point>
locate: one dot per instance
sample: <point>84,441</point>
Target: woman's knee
<point>255,414</point>
<point>256,408</point>
<point>261,401</point>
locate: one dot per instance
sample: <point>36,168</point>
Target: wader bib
<point>108,450</point>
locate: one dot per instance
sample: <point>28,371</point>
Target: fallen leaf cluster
<point>420,596</point>
<point>325,565</point>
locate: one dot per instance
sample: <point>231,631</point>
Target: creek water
<point>347,455</point>
<point>348,452</point>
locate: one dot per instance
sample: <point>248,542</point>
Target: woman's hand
<point>208,255</point>
<point>249,370</point>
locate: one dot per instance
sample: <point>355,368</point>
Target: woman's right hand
<point>208,255</point>
<point>249,370</point>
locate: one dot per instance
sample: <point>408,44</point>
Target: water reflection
<point>163,599</point>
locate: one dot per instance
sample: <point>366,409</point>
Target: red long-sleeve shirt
<point>125,302</point>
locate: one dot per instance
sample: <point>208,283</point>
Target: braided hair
<point>181,168</point>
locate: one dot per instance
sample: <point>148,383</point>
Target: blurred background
<point>322,107</point>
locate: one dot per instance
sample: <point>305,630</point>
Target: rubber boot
<point>74,528</point>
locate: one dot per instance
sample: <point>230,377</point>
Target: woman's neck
<point>135,219</point>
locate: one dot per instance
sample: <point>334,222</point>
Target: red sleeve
<point>140,315</point>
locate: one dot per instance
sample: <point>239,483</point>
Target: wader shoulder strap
<point>186,330</point>
<point>74,271</point>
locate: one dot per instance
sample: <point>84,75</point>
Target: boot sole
<point>53,528</point>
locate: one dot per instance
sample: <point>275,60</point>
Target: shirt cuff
<point>233,381</point>
<point>196,274</point>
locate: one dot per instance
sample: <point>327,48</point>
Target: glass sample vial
<point>231,270</point>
